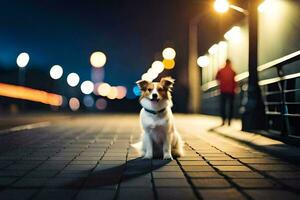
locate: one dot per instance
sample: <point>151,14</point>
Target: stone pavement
<point>90,157</point>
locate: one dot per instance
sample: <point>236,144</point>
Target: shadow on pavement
<point>113,175</point>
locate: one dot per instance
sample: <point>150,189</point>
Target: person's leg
<point>231,103</point>
<point>222,107</point>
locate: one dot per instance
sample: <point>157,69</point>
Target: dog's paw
<point>168,157</point>
<point>148,156</point>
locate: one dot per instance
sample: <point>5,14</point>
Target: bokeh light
<point>74,104</point>
<point>221,6</point>
<point>103,89</point>
<point>157,66</point>
<point>234,34</point>
<point>88,101</point>
<point>87,87</point>
<point>136,91</point>
<point>122,91</point>
<point>169,64</point>
<point>101,104</point>
<point>56,71</point>
<point>213,49</point>
<point>113,93</point>
<point>203,61</point>
<point>22,59</point>
<point>73,79</point>
<point>169,53</point>
<point>98,59</point>
<point>147,77</point>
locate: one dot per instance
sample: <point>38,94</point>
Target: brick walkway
<point>90,157</point>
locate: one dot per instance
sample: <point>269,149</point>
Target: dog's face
<point>156,95</point>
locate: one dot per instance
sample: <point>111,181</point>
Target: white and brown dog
<point>159,132</point>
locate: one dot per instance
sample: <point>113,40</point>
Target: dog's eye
<point>160,89</point>
<point>149,89</point>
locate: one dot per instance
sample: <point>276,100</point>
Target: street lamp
<point>56,72</point>
<point>22,61</point>
<point>73,79</point>
<point>203,61</point>
<point>254,107</point>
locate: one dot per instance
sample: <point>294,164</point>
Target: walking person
<point>225,77</point>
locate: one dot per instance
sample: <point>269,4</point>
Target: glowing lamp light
<point>74,104</point>
<point>122,91</point>
<point>23,59</point>
<point>101,104</point>
<point>169,53</point>
<point>56,72</point>
<point>73,79</point>
<point>103,89</point>
<point>87,87</point>
<point>136,91</point>
<point>234,34</point>
<point>88,101</point>
<point>203,61</point>
<point>264,6</point>
<point>157,66</point>
<point>98,59</point>
<point>221,6</point>
<point>147,77</point>
<point>169,64</point>
<point>213,49</point>
<point>113,93</point>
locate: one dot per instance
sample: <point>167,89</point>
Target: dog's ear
<point>167,82</point>
<point>143,84</point>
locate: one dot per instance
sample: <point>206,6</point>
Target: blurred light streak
<point>25,93</point>
<point>203,61</point>
<point>22,59</point>
<point>74,104</point>
<point>98,59</point>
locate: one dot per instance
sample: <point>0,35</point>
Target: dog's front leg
<point>167,148</point>
<point>147,146</point>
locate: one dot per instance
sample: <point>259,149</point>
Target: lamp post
<point>253,115</point>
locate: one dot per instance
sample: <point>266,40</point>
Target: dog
<point>159,136</point>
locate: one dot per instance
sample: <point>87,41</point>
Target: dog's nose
<point>154,96</point>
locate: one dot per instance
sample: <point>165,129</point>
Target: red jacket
<point>225,76</point>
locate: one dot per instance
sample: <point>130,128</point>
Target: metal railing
<point>281,93</point>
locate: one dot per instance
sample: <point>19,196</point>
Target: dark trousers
<point>227,101</point>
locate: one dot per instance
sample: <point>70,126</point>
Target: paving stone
<point>137,182</point>
<point>168,175</point>
<point>17,194</point>
<point>210,183</point>
<point>80,167</point>
<point>233,168</point>
<point>5,181</point>
<point>255,183</point>
<point>262,161</point>
<point>204,175</point>
<point>56,182</point>
<point>221,194</point>
<point>136,194</point>
<point>198,168</point>
<point>285,175</point>
<point>272,194</point>
<point>176,193</point>
<point>190,158</point>
<point>171,182</point>
<point>50,194</point>
<point>92,194</point>
<point>224,162</point>
<point>242,174</point>
<point>13,173</point>
<point>273,167</point>
<point>210,158</point>
<point>169,169</point>
<point>30,182</point>
<point>193,163</point>
<point>292,183</point>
